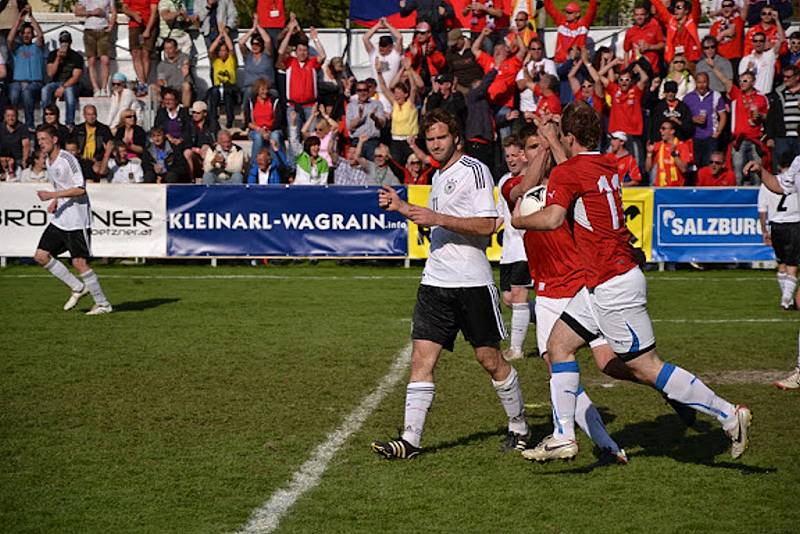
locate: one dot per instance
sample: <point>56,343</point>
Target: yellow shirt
<point>224,71</point>
<point>404,120</point>
<point>89,147</point>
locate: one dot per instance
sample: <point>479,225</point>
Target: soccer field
<point>206,391</point>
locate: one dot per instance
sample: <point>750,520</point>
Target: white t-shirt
<point>764,67</point>
<point>390,64</point>
<point>779,208</point>
<point>97,23</point>
<point>790,180</point>
<point>65,173</point>
<point>130,173</point>
<point>28,175</point>
<point>513,246</point>
<point>527,102</point>
<point>465,189</point>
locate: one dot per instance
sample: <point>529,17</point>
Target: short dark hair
<point>529,130</point>
<point>49,129</point>
<point>710,39</point>
<point>311,140</point>
<point>581,121</point>
<point>785,159</point>
<point>171,40</point>
<point>71,140</point>
<point>794,35</point>
<point>156,129</point>
<point>170,91</point>
<point>513,140</point>
<point>437,115</point>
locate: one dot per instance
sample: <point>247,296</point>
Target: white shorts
<point>548,311</point>
<point>617,310</point>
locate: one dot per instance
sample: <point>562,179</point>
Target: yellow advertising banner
<point>638,204</point>
<point>419,241</point>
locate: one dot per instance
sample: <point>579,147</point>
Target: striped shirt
<point>791,112</point>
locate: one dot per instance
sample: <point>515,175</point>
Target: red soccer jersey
<point>477,20</point>
<point>595,101</point>
<point>742,106</point>
<point>502,90</point>
<point>667,172</point>
<point>626,110</point>
<point>650,34</point>
<point>301,80</point>
<point>589,186</point>
<point>729,47</point>
<point>553,260</point>
<point>570,34</point>
<point>705,178</point>
<point>271,13</point>
<point>549,104</point>
<point>628,170</point>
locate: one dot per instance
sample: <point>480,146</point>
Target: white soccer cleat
<point>738,434</point>
<point>75,297</point>
<point>100,309</point>
<point>513,354</point>
<point>552,448</point>
<point>790,382</point>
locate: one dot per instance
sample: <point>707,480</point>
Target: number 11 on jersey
<point>604,186</point>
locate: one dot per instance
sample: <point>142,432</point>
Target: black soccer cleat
<point>396,448</point>
<point>515,442</point>
<point>685,413</point>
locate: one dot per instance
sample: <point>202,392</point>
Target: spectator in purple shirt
<point>709,115</point>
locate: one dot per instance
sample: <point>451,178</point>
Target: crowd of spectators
<point>677,109</point>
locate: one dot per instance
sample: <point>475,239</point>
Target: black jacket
<point>183,117</point>
<point>102,136</point>
<point>684,130</point>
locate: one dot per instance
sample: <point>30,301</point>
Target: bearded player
<point>585,191</point>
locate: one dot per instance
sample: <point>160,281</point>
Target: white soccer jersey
<point>790,180</point>
<point>513,247</point>
<point>779,208</point>
<point>130,173</point>
<point>465,189</point>
<point>65,173</point>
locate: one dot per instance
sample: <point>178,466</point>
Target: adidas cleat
<point>738,434</point>
<point>396,448</point>
<point>552,448</point>
<point>515,442</point>
<point>100,309</point>
<point>790,382</point>
<point>75,297</point>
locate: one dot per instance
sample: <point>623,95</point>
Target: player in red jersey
<point>613,301</point>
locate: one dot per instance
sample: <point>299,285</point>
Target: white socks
<point>510,395</point>
<point>520,317</point>
<point>91,281</point>
<point>684,387</point>
<point>798,349</point>
<point>787,291</point>
<point>588,419</point>
<point>60,271</point>
<point>419,397</point>
<point>564,385</point>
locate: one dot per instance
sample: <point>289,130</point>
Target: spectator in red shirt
<point>487,14</point>
<point>549,102</point>
<point>142,19</point>
<point>627,168</point>
<point>769,27</point>
<point>626,105</point>
<point>716,174</point>
<point>426,59</point>
<point>729,31</point>
<point>681,28</point>
<point>572,28</point>
<point>644,38</point>
<point>504,87</point>
<point>271,17</point>
<point>301,70</point>
<point>670,157</point>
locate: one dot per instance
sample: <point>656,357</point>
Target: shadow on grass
<point>499,433</point>
<point>141,305</point>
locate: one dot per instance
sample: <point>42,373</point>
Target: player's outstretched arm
<point>767,178</point>
<point>550,218</point>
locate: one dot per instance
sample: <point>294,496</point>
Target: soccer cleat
<point>790,382</point>
<point>75,297</point>
<point>513,354</point>
<point>608,456</point>
<point>396,448</point>
<point>100,309</point>
<point>686,414</point>
<point>552,448</point>
<point>738,434</point>
<point>515,442</point>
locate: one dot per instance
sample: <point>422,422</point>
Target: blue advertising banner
<point>708,225</point>
<point>282,221</point>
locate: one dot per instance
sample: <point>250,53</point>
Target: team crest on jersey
<point>449,186</point>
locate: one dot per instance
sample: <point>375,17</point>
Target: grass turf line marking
<point>723,321</point>
<point>267,517</point>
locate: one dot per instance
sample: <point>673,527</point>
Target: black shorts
<point>786,242</point>
<point>514,274</point>
<point>440,312</point>
<point>57,241</point>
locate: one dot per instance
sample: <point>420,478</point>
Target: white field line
<point>723,321</point>
<point>268,516</point>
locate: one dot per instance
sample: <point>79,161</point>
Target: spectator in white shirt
<point>535,65</point>
<point>117,168</point>
<point>761,61</point>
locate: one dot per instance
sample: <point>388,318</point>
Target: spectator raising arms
<point>28,64</point>
<point>681,26</point>
<point>402,95</point>
<point>223,75</point>
<point>572,28</point>
<point>301,70</point>
<point>258,63</point>
<point>386,58</point>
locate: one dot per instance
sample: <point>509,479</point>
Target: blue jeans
<point>70,97</point>
<point>747,152</point>
<point>259,142</point>
<point>30,94</point>
<point>211,178</point>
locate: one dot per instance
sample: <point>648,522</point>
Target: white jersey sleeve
<point>790,180</point>
<point>513,245</point>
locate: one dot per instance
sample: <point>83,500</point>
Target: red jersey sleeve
<point>554,13</point>
<point>314,63</point>
<point>485,61</point>
<point>561,188</point>
<point>686,152</point>
<point>510,184</point>
<point>588,18</point>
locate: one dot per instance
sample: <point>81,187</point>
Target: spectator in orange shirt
<point>627,168</point>
<point>572,28</point>
<point>729,31</point>
<point>681,28</point>
<point>644,39</point>
<point>716,174</point>
<point>426,59</point>
<point>524,27</point>
<point>670,157</point>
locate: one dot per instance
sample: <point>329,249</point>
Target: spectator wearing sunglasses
<point>681,26</point>
<point>710,49</point>
<point>435,13</point>
<point>716,173</point>
<point>762,61</point>
<point>122,99</point>
<point>768,25</point>
<point>728,29</point>
<point>426,59</point>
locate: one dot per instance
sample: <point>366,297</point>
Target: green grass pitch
<point>195,401</point>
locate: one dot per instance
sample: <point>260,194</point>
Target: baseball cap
<point>446,77</point>
<point>572,7</point>
<point>671,86</point>
<point>453,36</point>
<point>199,106</point>
<point>119,77</point>
<point>65,37</point>
<point>619,135</point>
<point>423,27</point>
<point>385,40</point>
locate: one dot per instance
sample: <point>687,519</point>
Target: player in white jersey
<point>457,291</point>
<point>785,183</point>
<point>69,229</point>
<point>515,277</point>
